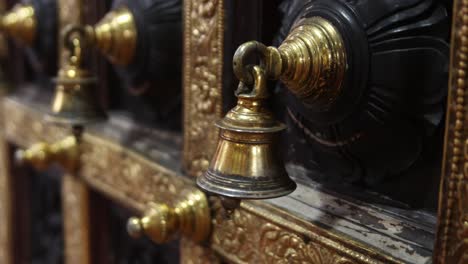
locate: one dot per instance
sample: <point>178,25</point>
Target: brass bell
<point>74,101</point>
<point>246,163</point>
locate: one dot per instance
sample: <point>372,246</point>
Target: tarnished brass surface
<point>74,102</point>
<point>115,36</point>
<point>189,217</point>
<point>20,23</point>
<point>311,61</point>
<point>246,163</point>
<point>41,155</point>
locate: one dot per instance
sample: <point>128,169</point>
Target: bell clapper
<point>230,205</point>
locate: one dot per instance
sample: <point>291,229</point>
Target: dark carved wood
<point>385,131</point>
<point>152,90</point>
<point>42,56</point>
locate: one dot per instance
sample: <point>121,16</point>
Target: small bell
<point>246,164</point>
<point>74,102</point>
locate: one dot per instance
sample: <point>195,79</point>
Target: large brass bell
<point>312,63</point>
<point>246,163</point>
<point>74,101</point>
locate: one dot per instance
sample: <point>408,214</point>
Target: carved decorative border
<point>203,66</point>
<point>75,194</point>
<point>6,227</point>
<point>257,233</point>
<point>75,209</point>
<point>452,233</point>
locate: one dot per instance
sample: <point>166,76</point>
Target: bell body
<point>247,163</point>
<point>75,102</point>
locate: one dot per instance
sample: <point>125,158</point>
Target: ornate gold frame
<point>452,232</point>
<point>258,232</point>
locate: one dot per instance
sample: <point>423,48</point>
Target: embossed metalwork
<point>6,239</point>
<point>452,234</point>
<point>193,253</point>
<point>161,222</point>
<point>203,66</point>
<point>20,23</point>
<point>75,206</point>
<point>75,194</point>
<point>246,164</point>
<point>133,180</point>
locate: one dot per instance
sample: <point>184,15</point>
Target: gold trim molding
<point>452,232</point>
<point>257,233</point>
<point>203,67</point>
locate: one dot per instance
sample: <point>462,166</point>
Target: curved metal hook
<point>242,71</point>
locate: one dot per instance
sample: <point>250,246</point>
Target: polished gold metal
<point>189,217</point>
<point>74,102</point>
<point>115,36</point>
<point>42,155</point>
<point>311,61</point>
<point>246,163</point>
<point>20,23</point>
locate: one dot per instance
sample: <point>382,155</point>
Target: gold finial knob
<point>42,155</point>
<point>190,216</point>
<point>311,61</point>
<point>115,36</point>
<point>20,23</point>
<point>134,228</point>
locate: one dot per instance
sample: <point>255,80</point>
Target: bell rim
<point>283,188</point>
<point>79,80</point>
<point>60,120</point>
<point>279,127</point>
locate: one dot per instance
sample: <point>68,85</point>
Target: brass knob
<point>115,35</point>
<point>42,155</point>
<point>189,216</point>
<point>311,61</point>
<point>20,23</point>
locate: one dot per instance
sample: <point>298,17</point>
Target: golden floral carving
<point>203,60</point>
<point>126,176</point>
<point>76,220</point>
<point>192,253</point>
<point>247,238</point>
<point>452,234</point>
<point>5,201</point>
<point>257,233</point>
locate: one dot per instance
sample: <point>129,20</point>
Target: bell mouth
<point>73,120</point>
<point>240,187</point>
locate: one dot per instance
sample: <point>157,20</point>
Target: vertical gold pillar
<point>75,194</point>
<point>75,211</point>
<point>6,241</point>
